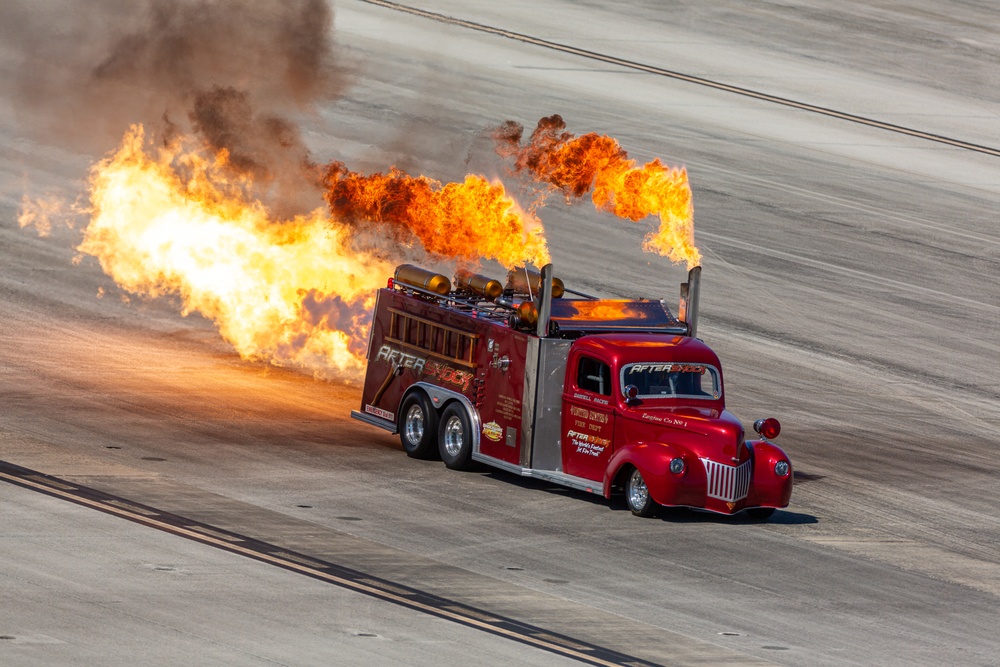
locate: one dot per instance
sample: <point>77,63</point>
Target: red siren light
<point>767,428</point>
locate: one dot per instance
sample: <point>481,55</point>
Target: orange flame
<point>167,222</point>
<point>597,163</point>
<point>469,221</point>
<point>40,213</point>
<point>171,221</point>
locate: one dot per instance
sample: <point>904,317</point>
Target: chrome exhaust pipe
<point>688,310</point>
<point>545,302</point>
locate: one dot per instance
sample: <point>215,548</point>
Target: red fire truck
<point>599,395</point>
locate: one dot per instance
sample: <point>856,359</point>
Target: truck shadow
<point>667,514</point>
<point>687,515</point>
<point>690,515</point>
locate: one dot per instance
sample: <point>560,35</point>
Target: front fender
<point>653,461</point>
<point>768,490</point>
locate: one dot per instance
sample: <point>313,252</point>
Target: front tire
<point>637,495</point>
<point>455,437</point>
<point>418,426</point>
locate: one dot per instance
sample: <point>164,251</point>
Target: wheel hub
<point>638,494</point>
<point>454,436</point>
<point>414,424</point>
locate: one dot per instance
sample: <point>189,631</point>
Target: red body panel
<point>502,395</point>
<point>420,341</point>
<point>769,490</point>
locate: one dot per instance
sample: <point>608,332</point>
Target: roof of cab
<point>627,348</point>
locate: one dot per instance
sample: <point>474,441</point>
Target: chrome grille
<point>727,483</point>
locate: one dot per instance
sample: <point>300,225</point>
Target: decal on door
<point>588,444</point>
<point>592,415</point>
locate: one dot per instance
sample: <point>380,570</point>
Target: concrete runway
<point>850,288</point>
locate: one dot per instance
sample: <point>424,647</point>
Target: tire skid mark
<point>680,76</point>
<point>328,572</point>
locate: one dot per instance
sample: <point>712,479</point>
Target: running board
<point>554,476</point>
<point>374,421</point>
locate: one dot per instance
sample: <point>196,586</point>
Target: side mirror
<point>631,393</point>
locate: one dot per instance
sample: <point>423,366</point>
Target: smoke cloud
<point>236,72</point>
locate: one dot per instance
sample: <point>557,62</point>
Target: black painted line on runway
<point>680,76</point>
<point>339,575</point>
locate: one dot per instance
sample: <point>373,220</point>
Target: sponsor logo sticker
<point>588,444</point>
<point>493,431</point>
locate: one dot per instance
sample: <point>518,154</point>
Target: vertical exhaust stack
<point>688,310</point>
<point>545,302</point>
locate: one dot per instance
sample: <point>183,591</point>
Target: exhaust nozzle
<point>544,300</point>
<point>688,310</point>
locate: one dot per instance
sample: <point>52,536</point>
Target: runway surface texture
<point>850,288</point>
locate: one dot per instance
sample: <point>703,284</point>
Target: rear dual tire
<point>425,435</point>
<point>418,426</point>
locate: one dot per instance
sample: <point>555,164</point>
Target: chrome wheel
<point>413,424</point>
<point>454,436</point>
<point>637,495</point>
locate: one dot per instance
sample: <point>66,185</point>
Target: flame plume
<point>468,221</point>
<point>598,164</point>
<point>182,220</point>
<point>167,222</point>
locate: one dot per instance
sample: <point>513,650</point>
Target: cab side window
<point>593,375</point>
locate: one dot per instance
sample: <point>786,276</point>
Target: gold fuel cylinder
<point>409,274</point>
<point>480,284</point>
<point>517,282</point>
<point>528,314</point>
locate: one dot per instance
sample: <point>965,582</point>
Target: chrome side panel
<point>548,475</point>
<point>546,452</point>
<point>572,482</point>
<point>502,465</point>
<point>374,421</point>
<point>441,396</point>
<point>528,401</point>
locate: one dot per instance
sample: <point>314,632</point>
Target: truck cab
<point>646,414</point>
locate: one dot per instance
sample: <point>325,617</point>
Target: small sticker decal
<point>379,412</point>
<point>493,431</point>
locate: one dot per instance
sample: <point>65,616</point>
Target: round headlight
<point>677,466</point>
<point>781,468</point>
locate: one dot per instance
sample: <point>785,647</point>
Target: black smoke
<point>237,73</point>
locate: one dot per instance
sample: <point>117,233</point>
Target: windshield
<point>658,380</point>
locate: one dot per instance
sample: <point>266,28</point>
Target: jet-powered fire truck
<point>595,394</point>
